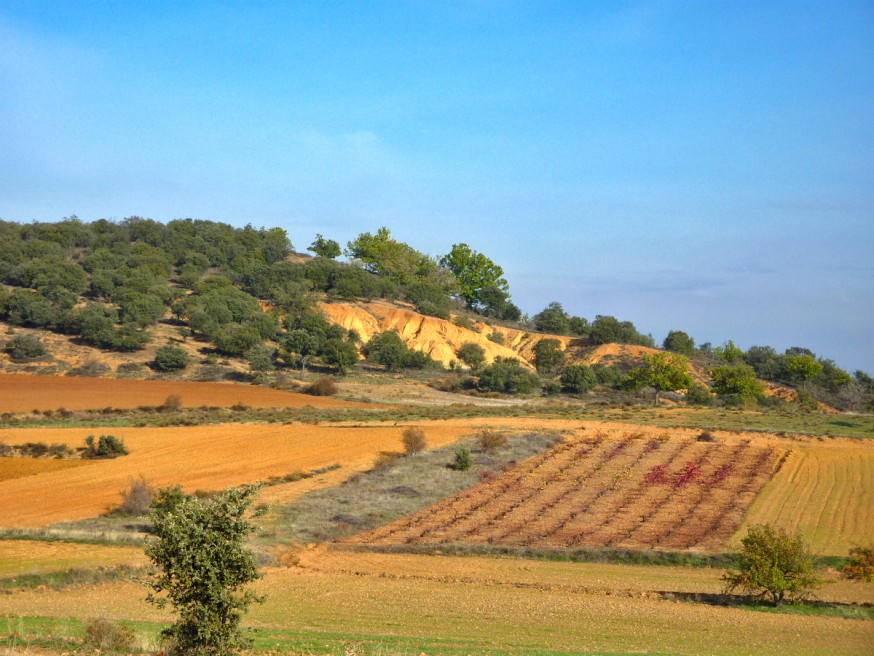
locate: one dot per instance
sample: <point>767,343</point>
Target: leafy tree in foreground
<point>664,372</point>
<point>203,568</point>
<point>773,564</point>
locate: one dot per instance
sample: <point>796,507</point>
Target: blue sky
<point>705,166</point>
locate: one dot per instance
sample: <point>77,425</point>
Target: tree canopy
<point>478,278</point>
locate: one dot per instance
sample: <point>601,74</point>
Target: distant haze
<point>704,166</point>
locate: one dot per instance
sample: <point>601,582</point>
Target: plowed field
<point>204,457</point>
<point>19,557</point>
<point>606,490</point>
<point>24,393</point>
<point>826,493</point>
<point>20,467</point>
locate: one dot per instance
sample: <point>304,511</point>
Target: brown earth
<point>595,490</point>
<point>202,457</point>
<point>24,393</point>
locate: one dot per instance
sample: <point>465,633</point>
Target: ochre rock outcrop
<point>439,338</point>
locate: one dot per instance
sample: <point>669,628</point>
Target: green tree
<point>737,383</point>
<point>389,349</point>
<point>664,372</point>
<point>25,348</point>
<point>552,319</point>
<point>203,568</point>
<point>548,355</point>
<point>773,564</point>
<point>340,353</point>
<point>729,352</point>
<point>679,342</point>
<point>475,273</point>
<point>578,378</point>
<point>473,355</point>
<point>327,248</point>
<point>801,368</point>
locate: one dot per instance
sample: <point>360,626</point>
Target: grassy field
<point>441,605</point>
<point>824,492</point>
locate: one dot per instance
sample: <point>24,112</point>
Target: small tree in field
<point>773,564</point>
<point>664,372</point>
<point>414,441</point>
<point>203,568</point>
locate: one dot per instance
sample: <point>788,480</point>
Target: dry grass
<point>825,491</point>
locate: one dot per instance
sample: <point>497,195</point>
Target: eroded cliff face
<point>439,338</point>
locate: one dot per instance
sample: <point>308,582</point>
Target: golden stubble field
<point>203,457</point>
<point>25,393</point>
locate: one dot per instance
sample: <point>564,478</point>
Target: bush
<point>137,499</point>
<point>104,635</point>
<point>491,440</point>
<point>386,460</point>
<point>322,387</point>
<point>26,348</point>
<point>390,350</point>
<point>578,379</point>
<point>861,566</point>
<point>462,461</point>
<point>171,358</point>
<point>506,376</point>
<point>473,355</point>
<point>495,337</point>
<point>414,441</point>
<point>173,403</point>
<point>698,395</point>
<point>773,564</point>
<point>107,446</point>
<point>90,369</point>
<point>548,355</point>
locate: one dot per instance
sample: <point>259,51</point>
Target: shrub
<point>463,322</point>
<point>861,566</point>
<point>496,337</point>
<point>578,378</point>
<point>90,369</point>
<point>462,461</point>
<point>473,355</point>
<point>104,635</point>
<point>322,387</point>
<point>698,395</point>
<point>414,441</point>
<point>172,403</point>
<point>773,564</point>
<point>491,440</point>
<point>129,370</point>
<point>706,436</point>
<point>107,446</point>
<point>171,358</point>
<point>506,376</point>
<point>386,460</point>
<point>137,499</point>
<point>548,354</point>
<point>26,348</point>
